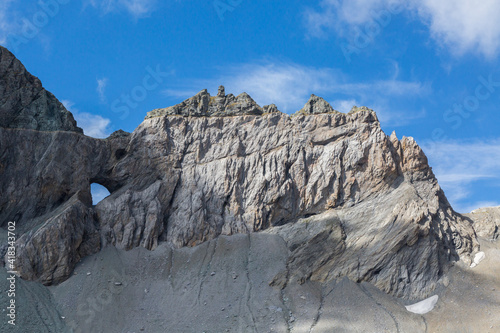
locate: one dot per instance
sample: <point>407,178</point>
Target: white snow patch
<point>424,306</point>
<point>478,258</point>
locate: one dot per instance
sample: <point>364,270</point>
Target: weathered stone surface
<point>50,252</point>
<point>355,242</point>
<point>252,173</point>
<point>39,171</point>
<point>361,108</point>
<point>315,244</point>
<point>486,222</point>
<point>132,218</point>
<point>190,173</point>
<point>272,108</point>
<point>24,103</point>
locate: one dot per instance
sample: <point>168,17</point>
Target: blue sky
<point>428,68</point>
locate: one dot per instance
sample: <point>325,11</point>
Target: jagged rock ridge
<point>222,105</point>
<point>347,199</point>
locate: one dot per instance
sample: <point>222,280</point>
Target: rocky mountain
<point>345,200</point>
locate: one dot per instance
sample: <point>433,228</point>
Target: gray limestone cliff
<point>348,200</point>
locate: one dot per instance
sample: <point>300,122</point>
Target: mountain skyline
<point>428,70</point>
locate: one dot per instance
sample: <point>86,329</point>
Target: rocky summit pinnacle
<point>221,93</point>
<point>316,105</point>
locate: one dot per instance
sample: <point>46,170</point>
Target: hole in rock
<point>98,193</point>
<point>119,153</point>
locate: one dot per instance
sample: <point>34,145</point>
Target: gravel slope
<point>223,286</point>
<point>219,286</point>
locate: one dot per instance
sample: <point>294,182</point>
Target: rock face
<point>360,108</point>
<point>24,103</point>
<point>347,199</point>
<point>486,222</point>
<point>68,234</point>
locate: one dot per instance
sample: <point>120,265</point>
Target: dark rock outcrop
<point>316,105</point>
<point>272,108</point>
<point>24,103</point>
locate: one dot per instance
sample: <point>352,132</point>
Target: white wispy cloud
<point>18,24</point>
<point>93,125</point>
<point>5,21</point>
<point>289,85</point>
<point>460,25</point>
<point>342,15</point>
<point>465,25</point>
<point>137,8</point>
<point>344,105</point>
<point>101,89</point>
<point>460,165</point>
